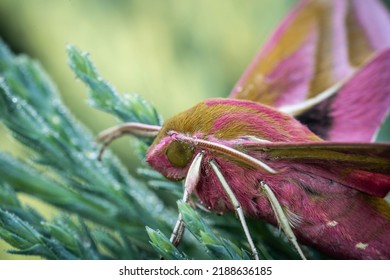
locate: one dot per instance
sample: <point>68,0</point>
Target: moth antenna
<point>225,150</point>
<point>136,129</point>
<point>236,205</point>
<point>190,183</point>
<point>282,218</point>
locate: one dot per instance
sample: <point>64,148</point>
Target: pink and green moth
<point>293,142</point>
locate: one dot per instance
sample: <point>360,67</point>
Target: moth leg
<point>136,129</point>
<point>190,183</point>
<point>178,230</point>
<point>236,205</point>
<point>282,218</point>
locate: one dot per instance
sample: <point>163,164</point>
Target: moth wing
<point>364,167</point>
<point>272,77</point>
<point>356,111</point>
<point>318,44</point>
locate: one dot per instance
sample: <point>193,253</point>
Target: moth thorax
<point>180,153</point>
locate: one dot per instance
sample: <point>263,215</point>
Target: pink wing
<point>361,166</point>
<point>358,109</point>
<point>317,45</point>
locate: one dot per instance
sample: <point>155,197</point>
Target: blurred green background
<point>174,53</point>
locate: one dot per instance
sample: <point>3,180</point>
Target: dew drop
<point>45,131</point>
<point>91,155</point>
<point>117,187</point>
<point>55,120</point>
<point>14,100</point>
<point>74,141</point>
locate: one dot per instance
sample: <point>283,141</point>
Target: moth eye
<point>179,153</point>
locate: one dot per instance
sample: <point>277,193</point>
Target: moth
<point>293,142</point>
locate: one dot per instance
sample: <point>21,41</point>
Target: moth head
<point>170,156</point>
